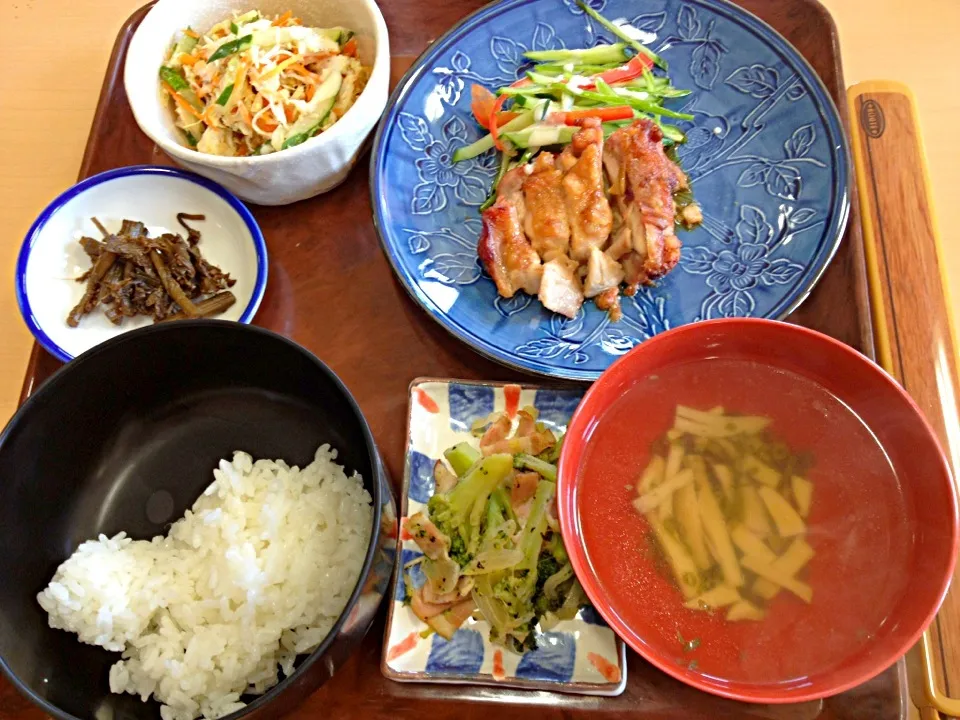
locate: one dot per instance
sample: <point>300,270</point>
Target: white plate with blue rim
<point>51,259</point>
<point>579,656</point>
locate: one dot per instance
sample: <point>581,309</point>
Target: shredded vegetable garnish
<point>252,85</point>
<point>617,84</point>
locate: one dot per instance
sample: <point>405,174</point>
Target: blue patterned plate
<point>581,656</point>
<point>766,154</point>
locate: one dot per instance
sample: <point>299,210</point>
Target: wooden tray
<point>332,290</point>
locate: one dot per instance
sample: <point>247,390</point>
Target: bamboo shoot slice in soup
<point>743,521</point>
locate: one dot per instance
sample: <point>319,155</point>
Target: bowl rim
<point>380,483</point>
<point>23,257</point>
<point>380,66</point>
<point>567,476</point>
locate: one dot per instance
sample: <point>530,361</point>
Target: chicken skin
<point>643,181</point>
<point>553,233</point>
<point>588,210</point>
<point>545,221</point>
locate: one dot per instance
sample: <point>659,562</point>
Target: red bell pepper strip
<point>607,114</point>
<point>637,65</point>
<point>497,107</point>
<point>481,105</point>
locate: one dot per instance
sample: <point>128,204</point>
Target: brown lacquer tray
<point>332,290</point>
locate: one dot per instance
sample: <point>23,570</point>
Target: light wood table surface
<point>57,50</point>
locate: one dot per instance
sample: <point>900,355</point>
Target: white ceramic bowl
<point>314,167</point>
<point>51,258</point>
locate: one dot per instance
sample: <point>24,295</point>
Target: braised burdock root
<point>164,277</point>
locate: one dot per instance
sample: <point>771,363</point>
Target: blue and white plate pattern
<point>766,154</point>
<point>578,656</point>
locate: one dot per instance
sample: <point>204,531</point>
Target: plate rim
<point>477,679</point>
<point>827,109</point>
<point>54,206</point>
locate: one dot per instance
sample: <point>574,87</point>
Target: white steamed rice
<point>257,572</point>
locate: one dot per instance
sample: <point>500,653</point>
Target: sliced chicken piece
<point>609,300</point>
<point>526,422</point>
<point>443,477</point>
<point>510,191</point>
<point>541,440</point>
<point>506,253</point>
<point>588,210</point>
<point>447,623</point>
<point>425,534</point>
<point>496,434</point>
<point>671,251</point>
<point>691,215</point>
<point>603,273</point>
<point>621,237</point>
<point>523,487</point>
<point>643,180</point>
<point>423,609</point>
<point>633,272</point>
<point>545,221</point>
<point>560,288</point>
<point>522,511</point>
<point>532,445</point>
<point>429,596</point>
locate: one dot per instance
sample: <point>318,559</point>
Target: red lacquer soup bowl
<point>881,524</point>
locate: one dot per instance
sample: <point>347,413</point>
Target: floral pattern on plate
<point>577,656</point>
<point>766,155</point>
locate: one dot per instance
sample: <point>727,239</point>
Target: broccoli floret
<point>440,514</point>
<point>459,513</point>
<point>458,551</point>
<point>546,566</point>
<point>553,543</point>
<point>546,470</point>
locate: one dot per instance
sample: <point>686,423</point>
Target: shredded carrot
<point>238,79</point>
<point>290,111</point>
<point>283,18</point>
<point>187,59</point>
<point>243,150</point>
<point>314,57</point>
<point>298,68</point>
<point>207,117</point>
<point>245,114</point>
<point>189,32</point>
<point>268,125</point>
<point>350,49</point>
<point>179,100</point>
<point>310,92</point>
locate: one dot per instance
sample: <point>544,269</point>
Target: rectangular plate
<point>581,656</point>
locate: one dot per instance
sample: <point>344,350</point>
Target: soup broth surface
<point>862,548</point>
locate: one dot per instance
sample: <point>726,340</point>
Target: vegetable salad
<point>490,538</point>
<point>253,85</point>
